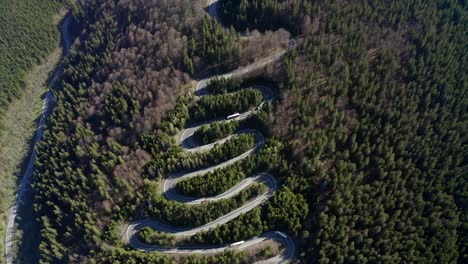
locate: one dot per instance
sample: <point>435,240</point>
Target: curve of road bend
<point>168,187</point>
<point>26,179</point>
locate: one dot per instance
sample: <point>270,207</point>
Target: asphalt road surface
<point>169,190</point>
<point>26,179</point>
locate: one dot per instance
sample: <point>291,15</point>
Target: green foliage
<point>223,85</point>
<point>212,183</point>
<point>188,63</point>
<point>121,256</point>
<point>226,257</point>
<point>178,214</point>
<point>88,164</point>
<point>371,121</point>
<point>213,44</point>
<point>374,124</point>
<point>151,237</point>
<point>242,228</point>
<point>287,211</point>
<point>27,35</point>
<point>379,142</point>
<point>215,131</point>
<point>120,106</point>
<point>230,149</point>
<point>214,106</point>
<point>269,159</point>
<point>264,14</point>
<point>266,253</point>
<point>174,159</point>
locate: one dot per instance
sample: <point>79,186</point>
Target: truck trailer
<point>232,116</point>
<point>237,243</point>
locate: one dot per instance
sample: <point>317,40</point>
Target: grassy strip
<point>28,34</point>
<point>20,122</point>
<point>18,126</point>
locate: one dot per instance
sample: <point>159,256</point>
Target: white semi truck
<point>232,116</point>
<point>237,243</point>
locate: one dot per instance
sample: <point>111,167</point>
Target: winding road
<point>26,179</point>
<point>170,192</point>
<point>188,144</point>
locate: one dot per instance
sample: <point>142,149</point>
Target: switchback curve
<point>168,186</point>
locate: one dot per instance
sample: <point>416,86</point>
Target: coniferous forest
<point>27,35</point>
<point>366,136</point>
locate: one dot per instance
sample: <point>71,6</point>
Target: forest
<point>192,216</point>
<point>367,137</point>
<point>27,35</point>
<point>215,106</point>
<point>215,131</point>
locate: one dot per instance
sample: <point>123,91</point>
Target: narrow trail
<point>188,144</point>
<point>26,179</point>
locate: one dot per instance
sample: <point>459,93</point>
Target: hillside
<point>356,127</point>
<point>27,35</point>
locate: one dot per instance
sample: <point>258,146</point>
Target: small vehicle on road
<point>281,234</point>
<point>237,243</point>
<point>232,116</point>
